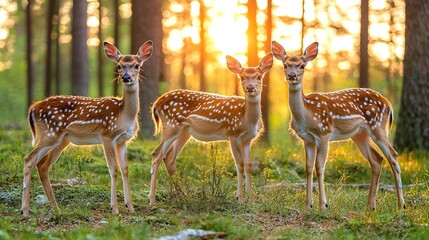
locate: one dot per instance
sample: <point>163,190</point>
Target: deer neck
<point>296,102</point>
<point>252,112</point>
<point>130,100</point>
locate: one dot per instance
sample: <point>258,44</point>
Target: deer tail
<point>390,119</point>
<point>156,120</point>
<point>31,120</point>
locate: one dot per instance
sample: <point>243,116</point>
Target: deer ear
<point>112,52</point>
<point>145,51</point>
<point>311,51</point>
<point>233,65</point>
<point>278,51</point>
<point>266,63</point>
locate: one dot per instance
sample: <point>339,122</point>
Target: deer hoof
<point>130,208</point>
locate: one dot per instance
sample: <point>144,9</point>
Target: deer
<point>207,117</point>
<point>359,114</point>
<point>58,121</point>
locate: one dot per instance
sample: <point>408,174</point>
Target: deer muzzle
<point>126,78</point>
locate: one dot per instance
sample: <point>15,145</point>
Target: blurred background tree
<point>413,125</point>
<point>192,38</point>
<point>146,23</point>
<point>79,51</point>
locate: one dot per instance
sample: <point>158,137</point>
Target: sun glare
<point>175,40</point>
<point>226,25</point>
<point>226,28</point>
<point>229,34</point>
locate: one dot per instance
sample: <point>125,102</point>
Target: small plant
<point>209,187</point>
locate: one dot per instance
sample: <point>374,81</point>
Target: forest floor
<point>207,179</point>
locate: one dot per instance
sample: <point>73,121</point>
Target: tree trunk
<point>364,66</point>
<point>252,34</point>
<point>116,37</point>
<point>146,23</point>
<point>30,67</point>
<point>182,76</point>
<point>100,52</point>
<point>413,123</point>
<point>202,46</point>
<point>80,68</point>
<point>302,25</point>
<point>48,57</point>
<point>57,49</point>
<point>390,78</point>
<point>265,99</point>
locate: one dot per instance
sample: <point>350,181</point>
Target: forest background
<point>192,40</point>
<point>50,47</point>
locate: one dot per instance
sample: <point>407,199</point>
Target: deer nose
<point>126,77</point>
<point>291,76</point>
<point>250,88</point>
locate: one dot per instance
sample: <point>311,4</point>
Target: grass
<point>207,180</point>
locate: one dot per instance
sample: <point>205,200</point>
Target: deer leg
<point>245,147</point>
<point>310,154</point>
<point>239,164</point>
<point>43,168</point>
<point>322,153</point>
<point>157,155</point>
<point>379,136</point>
<point>174,151</point>
<point>30,161</point>
<point>121,158</point>
<point>362,141</point>
<point>171,156</point>
<point>109,153</point>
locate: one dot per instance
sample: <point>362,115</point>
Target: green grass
<point>206,200</point>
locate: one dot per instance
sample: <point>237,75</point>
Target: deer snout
<point>250,88</point>
<point>126,77</point>
<point>291,76</point>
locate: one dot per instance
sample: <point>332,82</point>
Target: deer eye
<point>302,66</point>
<point>259,78</point>
<point>136,66</point>
<point>119,67</point>
<point>285,66</point>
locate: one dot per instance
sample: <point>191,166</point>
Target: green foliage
<point>202,195</point>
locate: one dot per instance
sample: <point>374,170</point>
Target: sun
<point>226,25</point>
<point>229,37</point>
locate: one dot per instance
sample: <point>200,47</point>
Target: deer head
<point>251,77</point>
<point>294,66</point>
<point>128,64</point>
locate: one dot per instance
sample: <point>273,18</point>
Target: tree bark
<point>48,57</point>
<point>202,46</point>
<point>116,35</point>
<point>29,52</point>
<point>413,123</point>
<point>302,25</point>
<point>100,52</point>
<point>57,49</point>
<point>390,78</point>
<point>252,34</point>
<point>146,24</point>
<point>265,99</point>
<point>80,64</point>
<point>364,66</point>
